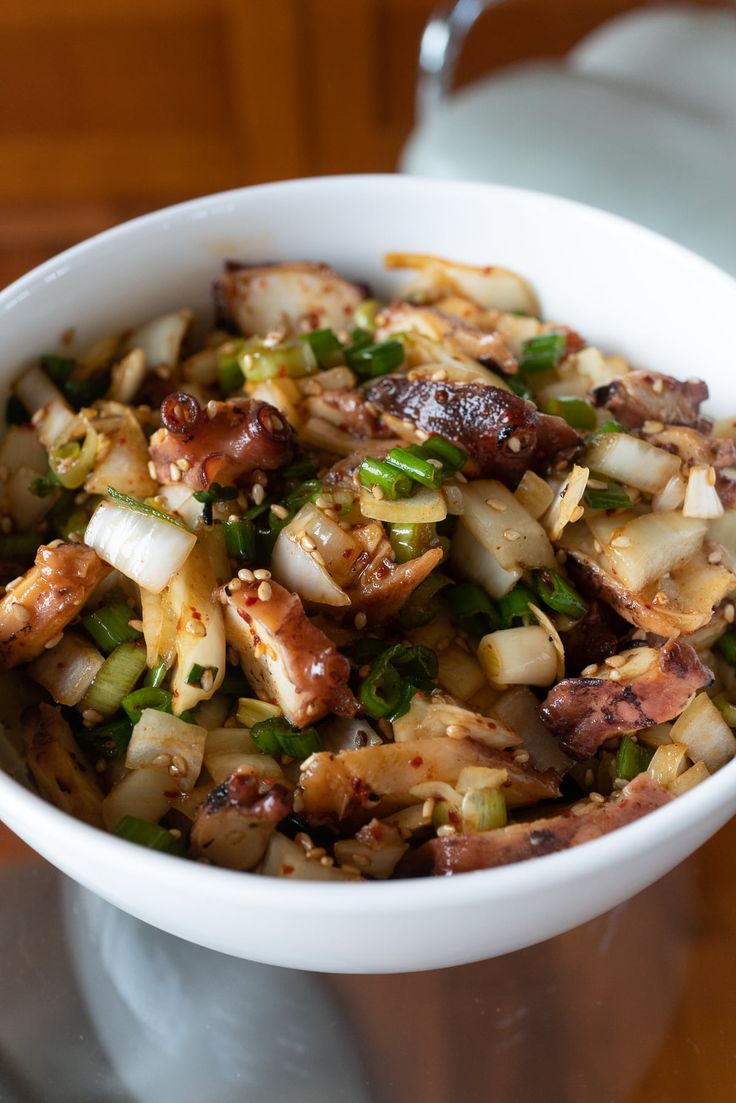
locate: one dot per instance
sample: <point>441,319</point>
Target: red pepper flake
<point>416,762</point>
<point>287,870</point>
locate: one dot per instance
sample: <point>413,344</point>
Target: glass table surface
<point>635,1006</point>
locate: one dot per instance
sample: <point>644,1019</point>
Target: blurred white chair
<point>640,119</point>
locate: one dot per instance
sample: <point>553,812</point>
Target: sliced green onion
<point>575,411</point>
<point>520,387</point>
<point>442,814</point>
<point>19,545</point>
<point>440,448</point>
<point>302,468</point>
<point>83,392</point>
<point>108,740</point>
<point>392,482</point>
<point>44,485</point>
<point>252,711</point>
<point>360,339</point>
<point>542,354</point>
<point>727,710</point>
<point>143,507</point>
<point>115,680</point>
<point>515,604</point>
<point>195,675</point>
<point>235,684</point>
<point>110,626</point>
<point>632,759</point>
<point>612,497</point>
<point>300,744</point>
<point>215,493</point>
<point>150,835</point>
<point>557,594</point>
<point>308,491</point>
<point>58,368</point>
<point>240,539</point>
<point>370,361</point>
<point>726,646</point>
<point>411,541</point>
<point>228,367</point>
<point>277,736</point>
<point>423,605</point>
<point>473,609</point>
<point>290,360</point>
<point>325,346</point>
<point>155,675</point>
<point>611,426</point>
<point>415,466</point>
<point>483,810</point>
<point>396,675</point>
<point>147,697</point>
<point>365,315</point>
<point>75,521</point>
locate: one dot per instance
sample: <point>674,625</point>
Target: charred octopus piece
<point>505,435</point>
<point>236,820</point>
<point>641,396</point>
<point>222,444</point>
<point>584,712</point>
<point>520,841</point>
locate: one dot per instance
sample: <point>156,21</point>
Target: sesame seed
<point>576,514</point>
<point>245,575</point>
<point>279,511</point>
<point>597,798</point>
<point>195,628</point>
<point>658,386</point>
<point>596,484</point>
<point>303,840</point>
<point>620,783</point>
<point>262,574</point>
<point>53,641</point>
<point>307,543</point>
<point>621,542</point>
<point>660,598</point>
<point>324,501</point>
<point>514,444</point>
<point>589,671</point>
<point>729,612</point>
<point>443,644</point>
<point>421,434</point>
<point>588,779</point>
<point>711,476</point>
<point>175,832</point>
<point>211,408</point>
<point>265,591</point>
<point>435,463</point>
<point>327,861</point>
<point>615,661</point>
<point>455,731</point>
<point>428,808</point>
<point>236,584</point>
<point>13,583</point>
<point>377,492</point>
<point>183,464</point>
<point>715,556</point>
<point>615,676</point>
<point>92,716</point>
<point>162,371</point>
<point>174,473</point>
<point>652,427</point>
<point>445,831</point>
<point>55,544</point>
<point>136,625</point>
<point>521,757</point>
<point>162,760</point>
<point>511,534</point>
<point>494,503</point>
<point>598,547</point>
<point>360,620</point>
<point>207,681</point>
<point>361,860</point>
<point>258,494</point>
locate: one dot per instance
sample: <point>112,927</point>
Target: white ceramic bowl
<point>625,289</point>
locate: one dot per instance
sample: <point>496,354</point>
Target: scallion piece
<point>411,541</point>
<point>726,709</point>
<point>423,604</point>
<point>235,684</point>
<point>110,626</point>
<point>143,507</point>
<point>419,469</point>
<point>115,679</point>
<point>290,360</point>
<point>58,368</point>
<point>397,673</point>
<point>44,485</point>
<point>253,711</point>
<point>197,672</point>
<point>228,367</point>
<point>440,448</point>
<point>632,759</point>
<point>612,497</point>
<point>214,493</point>
<point>473,609</point>
<point>610,426</point>
<point>520,387</point>
<point>365,314</point>
<point>302,468</point>
<point>277,736</point>
<point>325,346</point>
<point>72,462</point>
<point>394,483</point>
<point>514,604</point>
<point>483,810</point>
<point>108,740</point>
<point>240,539</point>
<point>726,646</point>
<point>557,594</point>
<point>370,361</point>
<point>542,354</point>
<point>150,835</point>
<point>155,675</point>
<point>300,744</point>
<point>147,697</point>
<point>575,411</point>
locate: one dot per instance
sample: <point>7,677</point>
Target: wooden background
<point>109,108</point>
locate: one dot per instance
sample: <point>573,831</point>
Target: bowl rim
<point>409,895</point>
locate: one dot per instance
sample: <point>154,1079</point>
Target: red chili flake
<point>196,614</point>
<point>287,870</point>
<point>416,762</point>
<point>251,599</point>
<point>347,553</point>
<point>491,725</point>
<point>172,794</point>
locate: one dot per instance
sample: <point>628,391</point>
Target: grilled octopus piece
<point>641,396</point>
<point>593,638</point>
<point>46,599</point>
<point>356,415</point>
<point>584,712</point>
<point>285,657</point>
<point>520,841</point>
<point>504,435</point>
<point>223,445</point>
<point>235,822</point>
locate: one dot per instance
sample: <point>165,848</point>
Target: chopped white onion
<point>127,376</point>
<point>644,548</point>
<point>701,496</point>
<point>297,569</point>
<point>499,521</point>
<point>479,565</point>
<point>423,508</point>
<point>67,670</point>
<point>534,494</point>
<point>705,734</point>
<point>668,762</point>
<point>170,745</point>
<point>632,461</point>
<point>519,656</point>
<point>144,548</point>
<point>566,506</point>
<point>160,339</point>
<point>518,708</point>
<point>145,794</point>
<point>200,634</point>
<point>671,496</point>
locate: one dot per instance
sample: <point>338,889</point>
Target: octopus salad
<point>350,589</point>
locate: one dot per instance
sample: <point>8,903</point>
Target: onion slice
<point>144,548</point>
